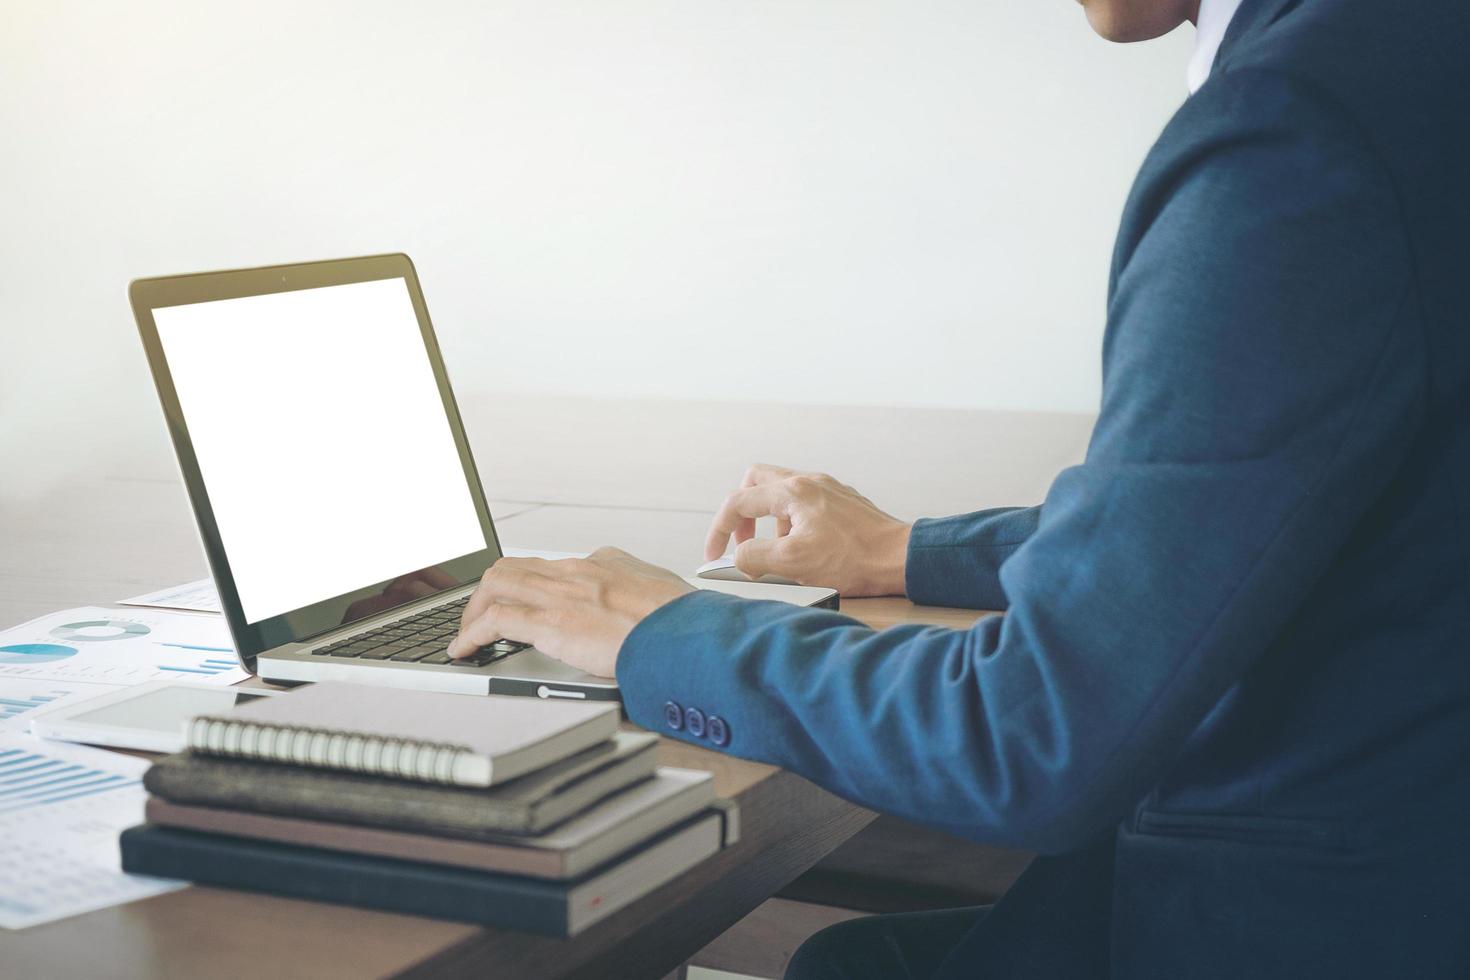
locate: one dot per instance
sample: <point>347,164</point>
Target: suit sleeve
<point>1263,374</point>
<point>955,561</point>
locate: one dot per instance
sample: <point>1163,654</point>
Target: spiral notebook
<point>424,736</point>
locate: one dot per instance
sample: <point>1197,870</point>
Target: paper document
<point>199,596</point>
<point>22,699</point>
<point>93,645</point>
<point>61,810</point>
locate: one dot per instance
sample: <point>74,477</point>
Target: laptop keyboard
<point>421,638</point>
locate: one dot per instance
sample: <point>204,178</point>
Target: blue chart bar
<point>28,779</point>
<point>191,646</point>
<point>206,666</point>
<point>10,707</point>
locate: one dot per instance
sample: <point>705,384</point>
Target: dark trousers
<point>905,946</point>
<point>1053,922</point>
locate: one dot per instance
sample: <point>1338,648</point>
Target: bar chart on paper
<point>61,810</point>
<point>21,698</point>
<point>13,707</point>
<point>32,779</point>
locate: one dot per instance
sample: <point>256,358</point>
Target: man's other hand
<point>579,610</point>
<point>827,533</point>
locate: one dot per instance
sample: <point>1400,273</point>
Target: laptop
<point>329,473</point>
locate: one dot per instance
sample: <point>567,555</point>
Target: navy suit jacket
<point>1230,696</point>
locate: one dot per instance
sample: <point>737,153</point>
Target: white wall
<point>795,200</point>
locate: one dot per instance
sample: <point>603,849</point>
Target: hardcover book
<point>613,827</point>
<point>416,888</point>
<point>531,804</point>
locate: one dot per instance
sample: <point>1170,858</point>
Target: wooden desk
<point>788,825</point>
<point>122,526</point>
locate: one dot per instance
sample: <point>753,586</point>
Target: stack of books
<point>505,811</point>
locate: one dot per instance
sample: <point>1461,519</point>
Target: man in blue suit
<point>1229,701</point>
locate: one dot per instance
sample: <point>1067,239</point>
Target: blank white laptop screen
<point>322,440</point>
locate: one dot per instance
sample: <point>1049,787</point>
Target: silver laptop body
<point>334,489</point>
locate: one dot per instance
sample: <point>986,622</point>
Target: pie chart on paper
<point>96,630</point>
<point>35,653</point>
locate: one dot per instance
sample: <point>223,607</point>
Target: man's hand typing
<point>579,610</point>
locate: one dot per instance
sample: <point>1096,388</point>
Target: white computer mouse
<point>724,570</point>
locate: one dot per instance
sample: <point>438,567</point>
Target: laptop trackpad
<point>534,664</point>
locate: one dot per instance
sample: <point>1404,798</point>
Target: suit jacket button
<point>673,715</point>
<point>719,732</point>
<point>694,721</point>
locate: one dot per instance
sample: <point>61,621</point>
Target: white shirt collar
<point>1214,19</point>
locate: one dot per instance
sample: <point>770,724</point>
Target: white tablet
<point>150,717</point>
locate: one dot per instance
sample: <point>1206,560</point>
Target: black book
<point>555,908</point>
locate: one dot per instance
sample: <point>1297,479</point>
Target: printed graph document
<point>93,645</point>
<point>21,699</point>
<point>62,808</point>
<point>198,596</point>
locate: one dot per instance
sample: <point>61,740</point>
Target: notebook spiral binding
<point>379,755</point>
